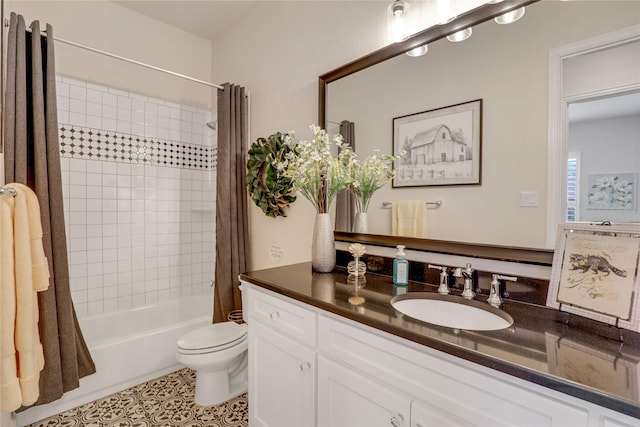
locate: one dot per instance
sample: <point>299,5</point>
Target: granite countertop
<point>570,354</point>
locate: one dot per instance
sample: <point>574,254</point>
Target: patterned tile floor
<point>167,401</point>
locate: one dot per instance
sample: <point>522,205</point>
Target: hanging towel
<point>30,275</point>
<point>409,218</point>
<point>10,395</point>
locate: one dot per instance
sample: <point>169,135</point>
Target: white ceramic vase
<point>323,249</point>
<point>361,223</point>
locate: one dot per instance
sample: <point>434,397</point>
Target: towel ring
<point>8,191</point>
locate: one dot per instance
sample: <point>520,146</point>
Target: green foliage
<point>270,189</point>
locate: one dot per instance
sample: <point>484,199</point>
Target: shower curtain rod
<point>132,61</point>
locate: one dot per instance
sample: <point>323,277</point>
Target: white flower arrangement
<point>369,176</point>
<point>315,172</point>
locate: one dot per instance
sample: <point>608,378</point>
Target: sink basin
<point>452,311</point>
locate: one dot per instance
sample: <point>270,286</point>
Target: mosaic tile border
<point>95,144</point>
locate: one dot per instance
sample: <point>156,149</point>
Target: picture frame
<point>595,273</point>
<point>442,146</point>
<point>611,191</point>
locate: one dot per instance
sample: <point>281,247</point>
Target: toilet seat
<point>213,338</point>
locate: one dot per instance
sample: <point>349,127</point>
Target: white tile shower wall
<point>139,187</point>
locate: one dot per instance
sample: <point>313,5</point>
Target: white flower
<point>357,249</point>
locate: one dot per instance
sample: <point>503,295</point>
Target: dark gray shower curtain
<point>32,157</point>
<point>345,200</point>
<point>232,228</point>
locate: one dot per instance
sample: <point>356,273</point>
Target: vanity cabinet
<point>439,389</point>
<point>282,362</point>
<point>310,367</point>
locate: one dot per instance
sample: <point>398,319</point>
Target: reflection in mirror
<point>603,187</point>
<point>507,67</point>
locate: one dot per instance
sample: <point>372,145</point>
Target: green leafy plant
<point>269,186</point>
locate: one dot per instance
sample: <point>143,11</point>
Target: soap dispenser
<point>400,268</point>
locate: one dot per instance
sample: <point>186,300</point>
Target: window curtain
<point>232,229</point>
<point>32,157</point>
<point>345,200</point>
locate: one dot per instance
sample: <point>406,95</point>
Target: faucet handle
<point>495,297</point>
<point>443,289</point>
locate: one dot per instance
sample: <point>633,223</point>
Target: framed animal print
<point>595,273</point>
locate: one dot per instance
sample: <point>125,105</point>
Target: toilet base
<point>213,388</point>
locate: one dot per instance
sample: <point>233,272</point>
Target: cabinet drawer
<point>291,319</point>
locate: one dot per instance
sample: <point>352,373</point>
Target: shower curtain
<point>346,201</point>
<point>232,229</point>
<point>32,157</point>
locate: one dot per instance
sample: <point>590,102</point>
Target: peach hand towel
<point>409,218</point>
<point>29,258</point>
<point>40,265</point>
<point>10,395</point>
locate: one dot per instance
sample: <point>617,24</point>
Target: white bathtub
<point>129,348</point>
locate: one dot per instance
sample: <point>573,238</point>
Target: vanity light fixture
<point>418,51</point>
<point>510,17</point>
<point>460,35</point>
<point>397,25</point>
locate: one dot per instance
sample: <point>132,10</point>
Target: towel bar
<point>432,205</point>
<point>8,191</point>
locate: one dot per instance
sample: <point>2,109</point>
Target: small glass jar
<point>358,270</point>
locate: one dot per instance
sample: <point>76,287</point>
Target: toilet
<point>218,355</point>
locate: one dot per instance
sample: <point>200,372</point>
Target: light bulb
<point>397,25</point>
<point>418,51</point>
<point>510,17</point>
<point>460,35</point>
<point>446,11</point>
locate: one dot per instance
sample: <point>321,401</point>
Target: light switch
<point>529,199</point>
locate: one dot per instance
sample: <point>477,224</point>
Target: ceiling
<point>204,18</point>
<point>604,108</point>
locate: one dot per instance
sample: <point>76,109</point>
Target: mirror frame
<point>469,19</point>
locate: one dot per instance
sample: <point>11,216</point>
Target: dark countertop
<point>581,358</point>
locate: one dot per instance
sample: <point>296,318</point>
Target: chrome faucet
<point>443,289</point>
<point>467,273</point>
<point>495,297</point>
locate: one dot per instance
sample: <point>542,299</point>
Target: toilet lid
<point>213,337</point>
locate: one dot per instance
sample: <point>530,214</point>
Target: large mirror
<point>507,67</point>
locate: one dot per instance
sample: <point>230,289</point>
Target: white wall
<point>107,26</point>
<point>607,146</point>
<point>277,52</point>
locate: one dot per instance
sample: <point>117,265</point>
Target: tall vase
<point>323,250</point>
<point>361,223</point>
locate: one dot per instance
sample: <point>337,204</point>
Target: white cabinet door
<point>348,398</point>
<point>281,380</point>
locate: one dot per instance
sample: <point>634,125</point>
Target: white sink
<point>452,311</point>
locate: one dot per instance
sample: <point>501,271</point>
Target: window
<point>573,186</point>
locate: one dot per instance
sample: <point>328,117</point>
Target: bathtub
<point>128,348</point>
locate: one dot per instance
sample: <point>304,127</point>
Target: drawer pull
<point>275,315</point>
<point>304,366</point>
<point>397,420</point>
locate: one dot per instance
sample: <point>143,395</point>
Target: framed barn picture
<point>439,147</point>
